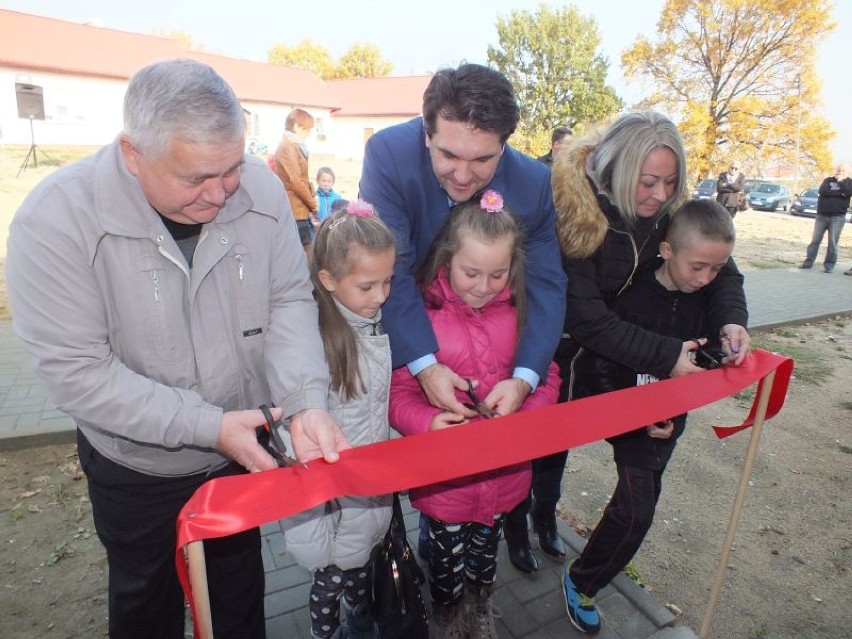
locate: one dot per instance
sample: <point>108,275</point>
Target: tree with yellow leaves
<point>358,61</point>
<point>739,77</point>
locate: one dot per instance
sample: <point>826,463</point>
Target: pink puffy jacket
<point>477,344</point>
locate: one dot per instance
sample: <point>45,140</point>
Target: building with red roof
<point>79,72</point>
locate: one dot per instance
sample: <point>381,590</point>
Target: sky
<point>416,44</point>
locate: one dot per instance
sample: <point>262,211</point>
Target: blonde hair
<point>619,156</point>
<point>341,239</point>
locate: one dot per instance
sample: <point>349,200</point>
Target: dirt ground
<point>787,577</point>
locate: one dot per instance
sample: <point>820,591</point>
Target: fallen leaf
<point>41,479</point>
<point>674,609</point>
<point>34,508</point>
<point>29,493</point>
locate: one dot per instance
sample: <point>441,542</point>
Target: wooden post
<point>200,592</point>
<point>760,416</point>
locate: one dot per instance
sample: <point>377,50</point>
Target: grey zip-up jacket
<point>142,351</point>
<point>343,531</point>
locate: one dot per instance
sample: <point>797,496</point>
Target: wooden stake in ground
<point>760,416</point>
<point>200,593</point>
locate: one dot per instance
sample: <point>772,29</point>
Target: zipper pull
<point>156,279</point>
<point>240,262</point>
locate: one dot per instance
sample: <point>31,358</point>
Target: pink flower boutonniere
<point>492,201</point>
<point>360,208</point>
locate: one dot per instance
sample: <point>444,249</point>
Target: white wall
<point>77,110</point>
<point>345,135</point>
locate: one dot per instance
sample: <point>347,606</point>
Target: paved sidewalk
<point>532,607</point>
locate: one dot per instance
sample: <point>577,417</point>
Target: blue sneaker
<point>581,609</point>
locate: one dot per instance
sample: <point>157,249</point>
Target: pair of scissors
<point>478,405</point>
<point>269,437</point>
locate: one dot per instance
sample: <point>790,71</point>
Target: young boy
<point>326,195</point>
<point>670,299</point>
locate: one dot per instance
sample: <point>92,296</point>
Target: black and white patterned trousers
<point>458,551</point>
<point>329,584</point>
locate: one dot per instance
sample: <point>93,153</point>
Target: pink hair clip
<point>360,208</point>
<point>492,201</point>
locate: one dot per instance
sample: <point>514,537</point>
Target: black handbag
<point>398,606</point>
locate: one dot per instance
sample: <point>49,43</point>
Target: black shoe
<point>544,525</point>
<point>518,543</point>
<point>806,264</point>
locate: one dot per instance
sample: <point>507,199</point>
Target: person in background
<point>730,189</point>
<point>351,270</point>
<point>413,173</point>
<point>290,164</point>
<point>832,205</point>
<point>560,137</point>
<point>670,299</point>
<point>172,301</point>
<point>326,195</point>
<point>475,300</point>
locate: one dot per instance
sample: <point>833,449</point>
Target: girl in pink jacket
<point>474,292</point>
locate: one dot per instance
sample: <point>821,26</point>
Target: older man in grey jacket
<point>161,289</point>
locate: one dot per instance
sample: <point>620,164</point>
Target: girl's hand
<point>315,434</point>
<point>661,430</point>
<point>446,420</point>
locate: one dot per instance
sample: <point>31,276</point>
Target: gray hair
<point>619,157</point>
<point>180,98</point>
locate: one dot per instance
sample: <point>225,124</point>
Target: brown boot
<point>480,611</point>
<point>449,622</point>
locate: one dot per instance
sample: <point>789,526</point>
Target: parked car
<point>806,203</point>
<point>705,190</point>
<point>751,185</point>
<point>769,197</point>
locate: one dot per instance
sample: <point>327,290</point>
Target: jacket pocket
<point>160,300</point>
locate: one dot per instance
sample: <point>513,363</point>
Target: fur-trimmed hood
<point>580,223</point>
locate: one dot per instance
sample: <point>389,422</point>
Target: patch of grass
<point>17,513</point>
<point>846,404</point>
<point>811,365</point>
<point>746,394</point>
<point>785,332</point>
<point>845,449</point>
<point>60,551</point>
<point>760,631</point>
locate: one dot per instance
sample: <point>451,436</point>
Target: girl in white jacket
<point>352,267</point>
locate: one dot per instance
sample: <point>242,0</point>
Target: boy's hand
<point>446,420</point>
<point>685,364</point>
<point>661,430</point>
<point>735,343</point>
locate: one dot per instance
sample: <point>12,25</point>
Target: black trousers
<point>135,517</point>
<point>621,530</point>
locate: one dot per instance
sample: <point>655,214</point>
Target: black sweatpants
<point>135,517</point>
<point>621,530</point>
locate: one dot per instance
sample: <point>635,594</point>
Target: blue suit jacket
<point>397,178</point>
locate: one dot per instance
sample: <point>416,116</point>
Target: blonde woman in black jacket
<point>614,192</point>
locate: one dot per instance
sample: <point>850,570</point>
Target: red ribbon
<point>229,505</point>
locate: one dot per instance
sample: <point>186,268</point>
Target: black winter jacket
<point>648,304</point>
<point>600,255</point>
